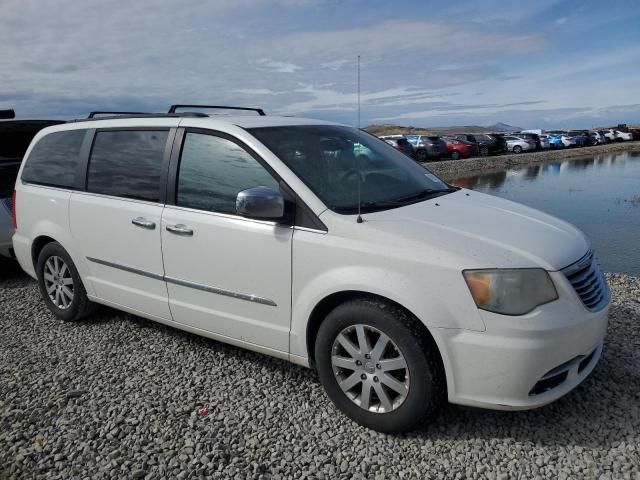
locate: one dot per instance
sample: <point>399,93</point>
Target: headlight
<point>510,291</point>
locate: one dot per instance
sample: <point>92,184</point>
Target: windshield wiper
<point>424,195</point>
<point>372,206</point>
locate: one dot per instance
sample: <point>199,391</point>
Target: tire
<point>517,149</point>
<point>421,374</point>
<point>421,155</point>
<point>484,151</point>
<point>56,270</point>
<point>455,155</point>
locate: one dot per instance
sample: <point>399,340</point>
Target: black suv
<point>15,137</point>
<point>488,144</point>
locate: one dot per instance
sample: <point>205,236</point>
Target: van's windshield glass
<point>329,160</point>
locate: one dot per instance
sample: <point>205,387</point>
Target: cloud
<point>280,67</point>
<point>473,58</point>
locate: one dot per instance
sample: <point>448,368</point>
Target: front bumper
<point>527,361</point>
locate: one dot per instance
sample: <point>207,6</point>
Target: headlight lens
<point>510,291</point>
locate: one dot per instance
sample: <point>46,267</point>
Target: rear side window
<point>212,172</point>
<point>54,159</point>
<point>127,163</point>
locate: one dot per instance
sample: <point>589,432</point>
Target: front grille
<point>588,281</point>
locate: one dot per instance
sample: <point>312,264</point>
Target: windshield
<point>327,159</point>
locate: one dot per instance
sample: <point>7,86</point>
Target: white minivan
<point>316,243</point>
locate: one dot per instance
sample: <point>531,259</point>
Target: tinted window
<point>335,161</point>
<point>212,172</point>
<point>54,159</point>
<point>127,163</point>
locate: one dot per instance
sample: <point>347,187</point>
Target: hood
<point>481,231</point>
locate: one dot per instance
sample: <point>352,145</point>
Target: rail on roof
<point>93,114</point>
<point>259,111</point>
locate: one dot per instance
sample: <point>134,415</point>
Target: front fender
<point>436,295</point>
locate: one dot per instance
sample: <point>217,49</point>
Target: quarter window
<point>127,163</point>
<point>212,172</point>
<point>54,159</point>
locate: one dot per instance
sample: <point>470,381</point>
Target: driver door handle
<point>180,229</point>
<point>143,223</point>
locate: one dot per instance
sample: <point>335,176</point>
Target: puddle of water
<point>600,195</point>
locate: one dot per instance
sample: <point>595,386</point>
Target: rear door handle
<point>180,229</point>
<point>143,223</point>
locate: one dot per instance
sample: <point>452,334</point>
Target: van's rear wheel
<point>377,366</point>
<point>60,284</point>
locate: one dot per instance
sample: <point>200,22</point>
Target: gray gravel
<point>452,169</point>
<point>117,397</point>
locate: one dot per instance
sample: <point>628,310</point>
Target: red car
<point>457,148</point>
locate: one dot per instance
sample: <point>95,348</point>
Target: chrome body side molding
<point>184,283</point>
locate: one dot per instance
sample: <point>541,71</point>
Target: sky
<point>537,64</point>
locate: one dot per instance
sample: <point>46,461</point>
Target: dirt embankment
<point>451,169</point>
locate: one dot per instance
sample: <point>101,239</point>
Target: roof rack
<point>221,107</point>
<point>8,114</point>
<point>93,114</point>
<point>122,115</point>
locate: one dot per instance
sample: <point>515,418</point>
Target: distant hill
<point>390,129</point>
<point>503,127</point>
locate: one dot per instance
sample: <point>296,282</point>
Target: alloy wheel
<point>58,282</point>
<point>370,368</point>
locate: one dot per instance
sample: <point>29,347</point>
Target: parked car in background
<point>15,137</point>
<point>500,145</point>
<point>531,136</point>
<point>457,148</point>
<point>400,142</point>
<point>517,144</point>
<point>567,140</point>
<point>581,136</point>
<point>544,141</point>
<point>555,141</point>
<point>487,144</point>
<point>597,138</point>
<point>623,136</point>
<point>427,147</point>
<point>635,132</point>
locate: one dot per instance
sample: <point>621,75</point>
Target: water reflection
<point>600,195</point>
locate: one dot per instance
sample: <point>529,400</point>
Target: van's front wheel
<point>60,284</point>
<point>377,367</point>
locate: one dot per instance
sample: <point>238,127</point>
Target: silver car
<point>519,145</point>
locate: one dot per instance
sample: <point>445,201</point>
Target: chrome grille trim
<point>587,280</point>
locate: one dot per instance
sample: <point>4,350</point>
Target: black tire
<point>517,149</point>
<point>455,155</point>
<point>427,386</point>
<point>421,155</point>
<point>80,306</point>
<point>484,151</point>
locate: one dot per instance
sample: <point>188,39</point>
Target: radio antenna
<point>359,219</point>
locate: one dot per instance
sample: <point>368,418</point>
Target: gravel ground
<point>452,169</point>
<point>118,397</point>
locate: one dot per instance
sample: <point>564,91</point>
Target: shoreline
<point>454,169</point>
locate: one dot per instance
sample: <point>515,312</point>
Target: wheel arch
<point>331,301</point>
<point>37,245</point>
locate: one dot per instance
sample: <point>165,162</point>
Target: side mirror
<point>262,203</point>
